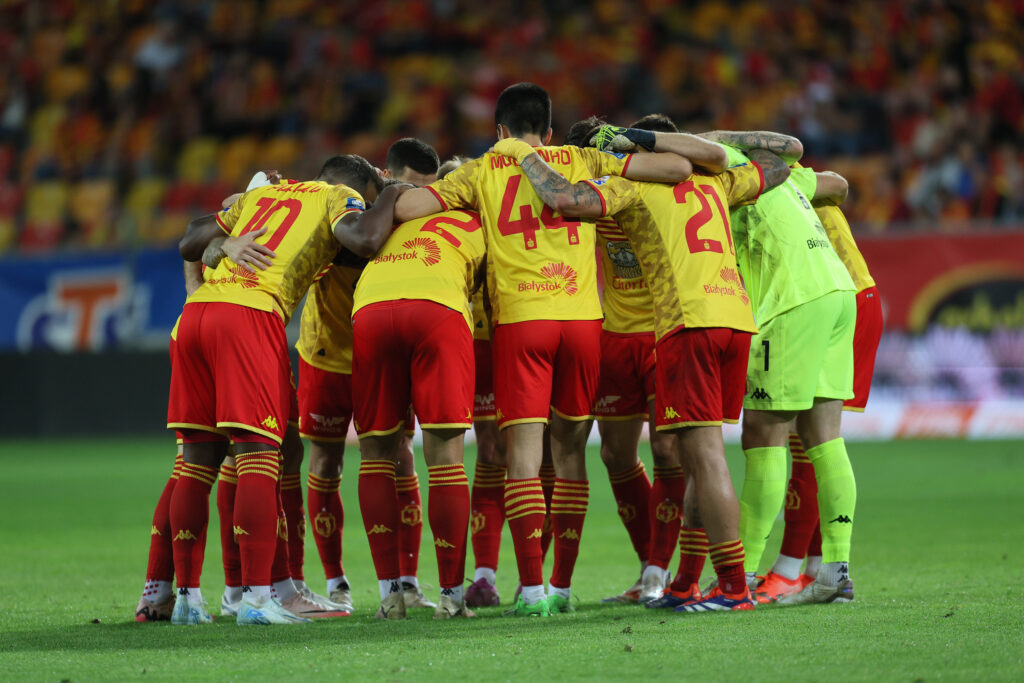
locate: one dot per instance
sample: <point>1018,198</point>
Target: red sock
<point>727,559</point>
<point>568,511</point>
<point>801,503</point>
<point>227,485</point>
<point>666,513</point>
<point>189,515</point>
<point>547,484</point>
<point>280,569</point>
<point>814,547</point>
<point>295,516</point>
<point>448,512</point>
<point>161,554</point>
<point>488,506</point>
<point>378,501</point>
<point>525,511</point>
<point>256,511</point>
<point>328,516</point>
<point>632,491</point>
<point>693,549</point>
<point>410,531</point>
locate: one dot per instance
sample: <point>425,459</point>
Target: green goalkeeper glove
<point>618,139</point>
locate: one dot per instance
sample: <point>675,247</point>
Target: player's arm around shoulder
<point>363,232</point>
<point>568,199</point>
<point>831,189</point>
<point>773,167</point>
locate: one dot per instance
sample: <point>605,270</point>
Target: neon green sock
<point>837,498</point>
<point>764,492</point>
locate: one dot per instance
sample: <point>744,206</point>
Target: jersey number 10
<point>268,206</point>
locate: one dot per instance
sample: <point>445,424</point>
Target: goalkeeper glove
<point>618,139</point>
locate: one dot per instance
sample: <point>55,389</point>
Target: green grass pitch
<point>938,565</point>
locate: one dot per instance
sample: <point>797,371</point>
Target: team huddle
<point>465,294</point>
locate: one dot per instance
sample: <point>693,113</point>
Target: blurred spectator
<point>119,119</point>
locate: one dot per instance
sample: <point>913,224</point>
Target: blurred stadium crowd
<point>118,120</point>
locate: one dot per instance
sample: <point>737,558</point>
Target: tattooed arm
<point>786,146</point>
<point>774,167</point>
<point>567,199</point>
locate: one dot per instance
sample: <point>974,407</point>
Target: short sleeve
<point>227,218</point>
<point>342,200</point>
<point>604,163</point>
<point>616,193</point>
<point>743,183</point>
<point>457,190</point>
<point>805,180</point>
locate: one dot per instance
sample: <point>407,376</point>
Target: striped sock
<point>693,550</point>
<point>231,557</point>
<point>487,502</point>
<point>448,512</point>
<point>568,512</point>
<point>328,517</point>
<point>801,503</point>
<point>256,514</point>
<point>160,567</point>
<point>727,559</point>
<point>632,491</point>
<point>295,517</point>
<point>189,515</point>
<point>410,531</point>
<point>525,512</point>
<point>378,502</point>
<point>666,511</point>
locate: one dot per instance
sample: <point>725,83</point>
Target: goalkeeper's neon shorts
<point>803,354</point>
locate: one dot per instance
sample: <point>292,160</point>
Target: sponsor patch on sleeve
<point>354,203</point>
<point>598,181</point>
<point>617,155</point>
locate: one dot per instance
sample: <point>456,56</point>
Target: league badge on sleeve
<point>354,203</point>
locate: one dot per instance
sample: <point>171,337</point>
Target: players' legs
<point>291,503</point>
<point>764,439</point>
<point>630,486</point>
<point>448,509</point>
<point>327,513</point>
<point>487,512</point>
<point>665,509</point>
<point>410,531</point>
<point>156,601</point>
<point>231,558</point>
<point>525,509</point>
<point>190,511</point>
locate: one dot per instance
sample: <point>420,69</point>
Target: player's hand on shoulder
<point>619,139</point>
<point>246,252</point>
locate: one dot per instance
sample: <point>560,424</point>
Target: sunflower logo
<point>561,274</point>
<point>424,249</point>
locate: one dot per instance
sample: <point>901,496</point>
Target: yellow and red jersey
<point>680,234</point>
<point>481,323</point>
<point>841,237</point>
<point>540,266</point>
<point>325,329</point>
<point>298,218</point>
<point>627,303</point>
<point>435,258</point>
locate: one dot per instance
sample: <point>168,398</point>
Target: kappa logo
<point>412,515</point>
<point>270,422</point>
<point>478,522</point>
<point>570,534</point>
<point>536,533</point>
<point>666,512</point>
<point>379,529</point>
<point>154,531</point>
<point>760,394</point>
<point>842,519</point>
<point>239,531</point>
<point>442,543</point>
<point>627,512</point>
<point>670,413</point>
<point>185,535</point>
<point>324,524</point>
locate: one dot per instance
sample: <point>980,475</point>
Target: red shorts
<point>702,377</point>
<point>415,351</point>
<point>546,365</point>
<point>866,336</point>
<point>483,396</point>
<point>230,371</point>
<point>325,403</point>
<point>627,376</point>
